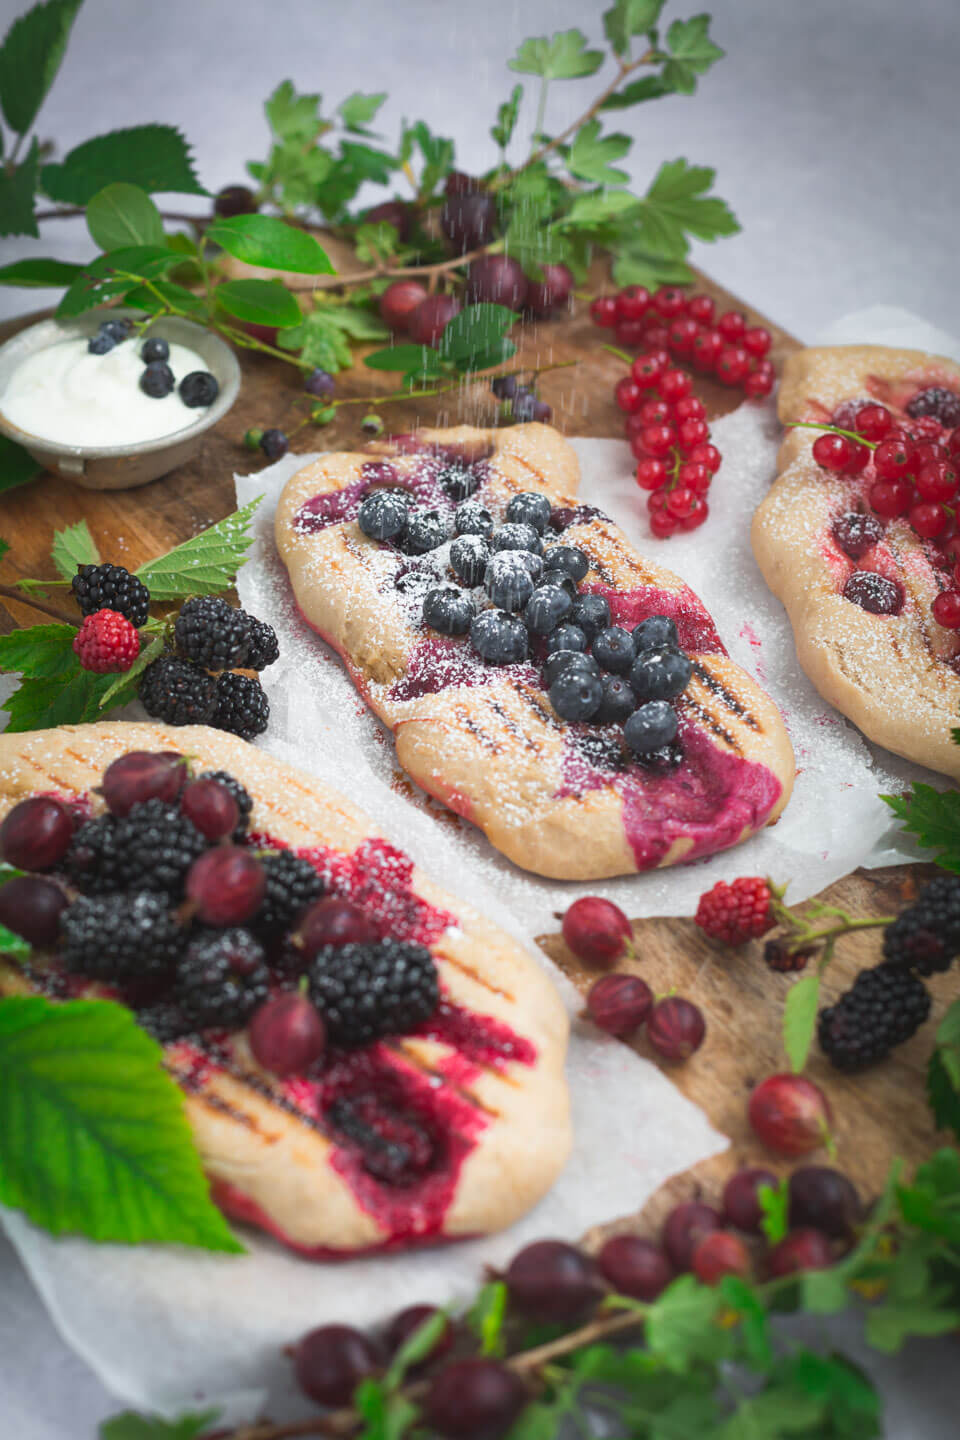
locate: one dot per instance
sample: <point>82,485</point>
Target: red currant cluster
<point>688,327</point>
<point>916,476</point>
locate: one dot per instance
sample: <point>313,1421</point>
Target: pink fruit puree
<point>334,507</point>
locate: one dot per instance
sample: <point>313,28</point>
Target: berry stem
<point>9,592</point>
<point>395,272</point>
<point>620,354</point>
<point>831,430</point>
<point>803,932</point>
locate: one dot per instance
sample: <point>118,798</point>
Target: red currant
<point>697,515</point>
<point>873,422</point>
<point>757,385</point>
<point>648,368</point>
<point>732,325</point>
<point>657,501</point>
<point>894,459</point>
<point>833,452</point>
<point>707,348</point>
<point>628,395</point>
<point>683,332</point>
<point>657,335</point>
<point>681,502</point>
<point>953,443</point>
<point>757,341</point>
<point>663,524</point>
<point>630,334</point>
<point>674,385</point>
<point>603,311</point>
<point>655,412</point>
<point>702,309</point>
<point>690,408</point>
<point>632,303</point>
<point>733,365</point>
<point>694,476</point>
<point>891,498</point>
<point>638,447</point>
<point>651,473</point>
<point>928,451</point>
<point>946,609</point>
<point>693,433</point>
<point>707,455</point>
<point>658,439</point>
<point>859,459</point>
<point>928,519</point>
<point>669,301</point>
<point>937,480</point>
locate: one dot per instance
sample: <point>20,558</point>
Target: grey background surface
<point>833,128</point>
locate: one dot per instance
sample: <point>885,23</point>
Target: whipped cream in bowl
<point>93,417</point>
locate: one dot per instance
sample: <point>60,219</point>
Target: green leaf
<point>93,1138</point>
<point>590,157</point>
<point>358,110</point>
<point>437,152</point>
<point>628,18</point>
<point>38,273</point>
<point>13,947</point>
<point>636,268</point>
<point>774,1202</point>
<point>357,321</point>
<point>155,157</point>
<point>205,565</point>
<point>172,297</point>
<point>132,1426</point>
<point>478,331</point>
<point>386,1416</point>
<point>650,87</point>
<point>932,1202</point>
<point>800,1020</point>
<point>414,359</point>
<point>563,57</point>
<point>320,341</point>
<point>507,114</point>
<point>121,215</point>
<point>30,58</point>
<point>934,817</point>
<point>16,196</point>
<point>367,163</point>
<point>681,1326</point>
<point>599,206</point>
<point>39,652</point>
<point>676,204</point>
<point>72,698</point>
<point>486,1317</point>
<point>260,302</point>
<point>73,547</point>
<point>692,53</point>
<point>376,242</point>
<point>265,240</point>
<point>120,691</point>
<point>17,467</point>
<point>889,1325</point>
<point>416,1348</point>
<point>754,1320</point>
<point>110,275</point>
<point>292,116</point>
<point>943,1095</point>
<point>948,1042</point>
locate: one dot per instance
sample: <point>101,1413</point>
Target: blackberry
<point>155,845</point>
<point>292,885</point>
<point>178,692</point>
<point>91,861</point>
<point>110,587</point>
<point>212,633</point>
<point>938,401</point>
<point>264,649</point>
<point>242,707</point>
<point>926,936</point>
<point>883,1008</point>
<point>366,991</point>
<point>165,1021</point>
<point>243,798</point>
<point>120,937</point>
<point>222,979</point>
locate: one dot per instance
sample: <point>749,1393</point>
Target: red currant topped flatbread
<point>859,540</point>
<point>367,1063</point>
<point>541,678</point>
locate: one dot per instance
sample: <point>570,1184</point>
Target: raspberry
<point>291,885</point>
<point>784,961</point>
<point>110,587</point>
<point>178,692</point>
<point>212,633</point>
<point>120,937</point>
<point>264,649</point>
<point>243,798</point>
<point>883,1008</point>
<point>366,991</point>
<point>106,643</point>
<point>222,979</point>
<point>926,936</point>
<point>152,848</point>
<point>242,707</point>
<point>738,912</point>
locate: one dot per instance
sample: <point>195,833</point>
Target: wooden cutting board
<point>879,1114</point>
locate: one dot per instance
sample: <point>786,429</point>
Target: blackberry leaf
<point>934,817</point>
<point>943,1094</point>
<point>155,157</point>
<point>16,196</point>
<point>30,58</point>
<point>205,565</point>
<point>72,547</point>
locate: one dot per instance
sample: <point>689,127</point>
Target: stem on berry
<point>831,430</point>
<point>620,354</point>
<point>9,592</point>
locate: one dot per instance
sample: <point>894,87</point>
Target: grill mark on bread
<point>486,742</point>
<point>717,687</point>
<point>418,1063</point>
<point>470,974</point>
<point>514,727</point>
<point>711,721</point>
<point>535,701</point>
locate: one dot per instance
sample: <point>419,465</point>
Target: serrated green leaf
<point>321,343</point>
<point>14,947</point>
<point>650,87</point>
<point>934,817</point>
<point>692,52</point>
<point>39,652</point>
<point>17,196</point>
<point>774,1202</point>
<point>376,241</point>
<point>487,1315</point>
<point>72,698</point>
<point>205,565</point>
<point>437,153</point>
<point>17,467</point>
<point>30,57</point>
<point>265,240</point>
<point>259,302</point>
<point>948,1042</point>
<point>591,157</point>
<point>824,1292</point>
<point>358,110</point>
<point>477,330</point>
<point>292,116</point>
<point>121,215</point>
<point>675,205</point>
<point>564,56</point>
<point>155,157</point>
<point>598,207</point>
<point>889,1325</point>
<point>358,322</point>
<point>367,163</point>
<point>72,547</point>
<point>39,273</point>
<point>420,359</point>
<point>754,1321</point>
<point>651,271</point>
<point>628,18</point>
<point>121,689</point>
<point>681,1328</point>
<point>93,1136</point>
<point>133,1426</point>
<point>943,1095</point>
<point>800,1020</point>
<point>507,113</point>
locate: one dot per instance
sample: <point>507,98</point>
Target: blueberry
<point>472,518</point>
<point>530,562</point>
<point>651,727</point>
<point>591,613</point>
<point>613,649</point>
<point>274,444</point>
<point>560,578</point>
<point>660,674</point>
<point>546,608</point>
<point>499,637</point>
<point>320,383</point>
<point>657,632</point>
<point>426,529</point>
<point>119,329</point>
<point>468,558</point>
<point>383,515</point>
<point>560,659</point>
<point>157,379</point>
<point>566,637</point>
<point>517,537</point>
<point>569,558</point>
<point>524,404</point>
<point>448,609</point>
<point>530,508</point>
<point>199,388</point>
<point>618,701</point>
<point>542,412</point>
<point>458,481</point>
<point>576,694</point>
<point>508,582</point>
<point>100,343</point>
<point>504,386</point>
<point>154,349</point>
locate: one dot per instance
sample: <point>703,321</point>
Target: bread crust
<point>265,1161</point>
<point>890,674</point>
<point>495,752</point>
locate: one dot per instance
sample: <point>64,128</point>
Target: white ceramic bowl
<point>121,467</point>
